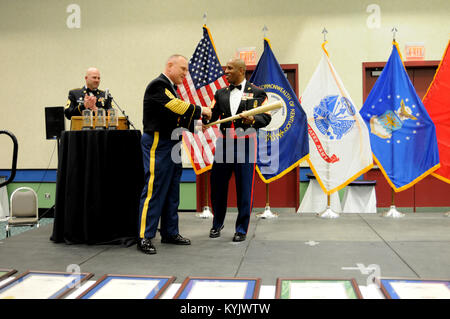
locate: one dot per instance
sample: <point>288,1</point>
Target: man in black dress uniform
<point>230,154</point>
<point>164,112</point>
<point>87,97</point>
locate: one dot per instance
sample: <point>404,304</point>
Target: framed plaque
<point>5,273</point>
<point>219,288</point>
<point>301,288</point>
<point>42,285</point>
<point>397,288</point>
<point>127,287</point>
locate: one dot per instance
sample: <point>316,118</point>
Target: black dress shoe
<point>145,245</point>
<point>214,233</point>
<point>239,237</point>
<point>176,240</point>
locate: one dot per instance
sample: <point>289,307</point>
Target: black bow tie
<point>232,87</point>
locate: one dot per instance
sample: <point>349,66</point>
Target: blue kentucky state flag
<point>402,134</point>
<point>283,144</point>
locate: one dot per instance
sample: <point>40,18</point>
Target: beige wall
<point>129,41</point>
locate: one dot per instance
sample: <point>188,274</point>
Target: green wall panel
<point>188,196</point>
<point>188,193</point>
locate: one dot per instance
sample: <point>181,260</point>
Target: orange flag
<point>437,103</point>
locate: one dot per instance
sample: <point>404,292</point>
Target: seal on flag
<point>334,116</point>
<point>390,121</point>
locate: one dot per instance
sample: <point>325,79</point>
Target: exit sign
<point>248,55</point>
<point>415,51</point>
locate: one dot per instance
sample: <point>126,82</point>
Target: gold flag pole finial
<point>204,18</point>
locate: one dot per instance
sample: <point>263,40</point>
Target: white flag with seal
<point>339,143</point>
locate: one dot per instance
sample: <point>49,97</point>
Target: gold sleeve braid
<point>176,105</point>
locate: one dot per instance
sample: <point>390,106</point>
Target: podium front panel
<point>98,188</point>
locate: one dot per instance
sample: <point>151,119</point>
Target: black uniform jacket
<point>164,111</point>
<point>75,102</point>
<point>252,97</point>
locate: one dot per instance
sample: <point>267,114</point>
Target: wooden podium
<point>76,123</point>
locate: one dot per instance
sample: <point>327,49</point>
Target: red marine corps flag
<point>205,77</point>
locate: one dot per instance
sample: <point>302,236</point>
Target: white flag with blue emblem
<point>339,143</point>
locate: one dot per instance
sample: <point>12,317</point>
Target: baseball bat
<point>255,111</point>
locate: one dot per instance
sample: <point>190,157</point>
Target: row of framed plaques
<point>55,285</point>
<point>5,273</point>
<point>43,285</point>
<point>392,288</point>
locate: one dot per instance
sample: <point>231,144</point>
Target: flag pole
<point>206,211</point>
<point>267,212</point>
<point>393,212</point>
<point>328,212</point>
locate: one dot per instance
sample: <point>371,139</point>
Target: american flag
<point>204,78</point>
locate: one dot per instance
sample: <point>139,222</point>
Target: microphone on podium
<point>108,95</point>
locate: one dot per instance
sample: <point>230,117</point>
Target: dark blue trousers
<point>161,194</point>
<point>231,157</point>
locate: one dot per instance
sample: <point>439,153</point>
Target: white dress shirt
<point>235,98</point>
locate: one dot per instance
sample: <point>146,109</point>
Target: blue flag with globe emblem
<point>402,134</point>
<point>283,144</point>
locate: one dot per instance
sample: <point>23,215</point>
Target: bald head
<point>92,78</point>
<point>175,57</point>
<point>235,71</point>
<point>240,64</point>
<point>176,68</point>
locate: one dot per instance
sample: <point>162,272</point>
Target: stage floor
<point>292,245</point>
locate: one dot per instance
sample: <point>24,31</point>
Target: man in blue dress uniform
<point>236,151</point>
<point>164,112</point>
<point>87,97</point>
